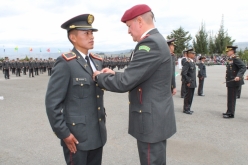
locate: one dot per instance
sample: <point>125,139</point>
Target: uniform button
<point>99,108</point>
<point>140,111</point>
<point>73,123</point>
<point>82,84</point>
<point>100,119</point>
<point>97,85</point>
<point>97,96</point>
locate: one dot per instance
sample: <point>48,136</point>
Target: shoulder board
<point>96,57</point>
<point>235,56</point>
<point>69,56</point>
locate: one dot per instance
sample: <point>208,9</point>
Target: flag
<point>30,49</point>
<point>40,49</point>
<point>16,48</point>
<point>48,50</point>
<point>59,50</point>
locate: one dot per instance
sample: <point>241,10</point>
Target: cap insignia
<point>90,19</point>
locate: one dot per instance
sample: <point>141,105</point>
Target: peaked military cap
<point>228,48</point>
<point>171,42</point>
<point>80,22</point>
<point>202,57</point>
<point>191,50</point>
<point>134,12</point>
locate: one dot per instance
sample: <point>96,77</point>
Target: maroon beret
<point>134,12</point>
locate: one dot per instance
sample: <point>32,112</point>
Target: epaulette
<point>96,57</point>
<point>235,56</point>
<point>69,56</point>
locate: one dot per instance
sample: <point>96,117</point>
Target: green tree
<point>26,58</point>
<point>211,45</point>
<point>182,39</point>
<point>200,42</point>
<point>222,39</point>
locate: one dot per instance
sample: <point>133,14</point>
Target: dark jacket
<point>189,73</point>
<point>173,80</point>
<point>74,102</point>
<point>235,68</point>
<point>201,70</point>
<point>148,80</point>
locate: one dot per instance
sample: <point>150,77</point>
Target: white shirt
<point>146,32</point>
<point>91,63</point>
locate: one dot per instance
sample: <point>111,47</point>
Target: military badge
<point>144,47</point>
<point>90,19</point>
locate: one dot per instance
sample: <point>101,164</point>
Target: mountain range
<point>54,52</point>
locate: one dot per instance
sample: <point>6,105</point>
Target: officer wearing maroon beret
<point>74,102</point>
<point>235,70</point>
<point>148,80</point>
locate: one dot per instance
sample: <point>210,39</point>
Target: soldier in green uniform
<point>171,44</point>
<point>201,75</point>
<point>74,102</point>
<point>183,85</point>
<point>235,70</point>
<point>6,67</point>
<point>189,77</point>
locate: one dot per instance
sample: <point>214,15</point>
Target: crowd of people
<point>33,66</point>
<point>39,66</point>
<point>113,62</point>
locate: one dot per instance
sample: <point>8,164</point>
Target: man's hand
<point>246,77</point>
<point>188,85</point>
<point>201,78</point>
<point>236,79</point>
<point>70,143</point>
<point>95,74</point>
<point>174,91</point>
<point>107,70</point>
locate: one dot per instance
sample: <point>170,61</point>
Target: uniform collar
<point>82,54</point>
<point>143,35</point>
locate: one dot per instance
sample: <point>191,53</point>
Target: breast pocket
<point>77,126</point>
<point>81,88</point>
<point>141,116</point>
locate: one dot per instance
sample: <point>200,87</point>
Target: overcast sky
<point>36,23</point>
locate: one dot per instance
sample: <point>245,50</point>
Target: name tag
<point>81,79</point>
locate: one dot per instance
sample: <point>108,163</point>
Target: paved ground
<point>204,138</point>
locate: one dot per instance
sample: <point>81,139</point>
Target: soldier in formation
<point>172,45</point>
<point>235,70</point>
<point>201,75</point>
<point>189,77</point>
<point>6,67</point>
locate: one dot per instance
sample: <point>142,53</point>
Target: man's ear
<point>72,37</point>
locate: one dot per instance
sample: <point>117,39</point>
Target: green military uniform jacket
<point>235,68</point>
<point>148,80</point>
<point>74,102</point>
